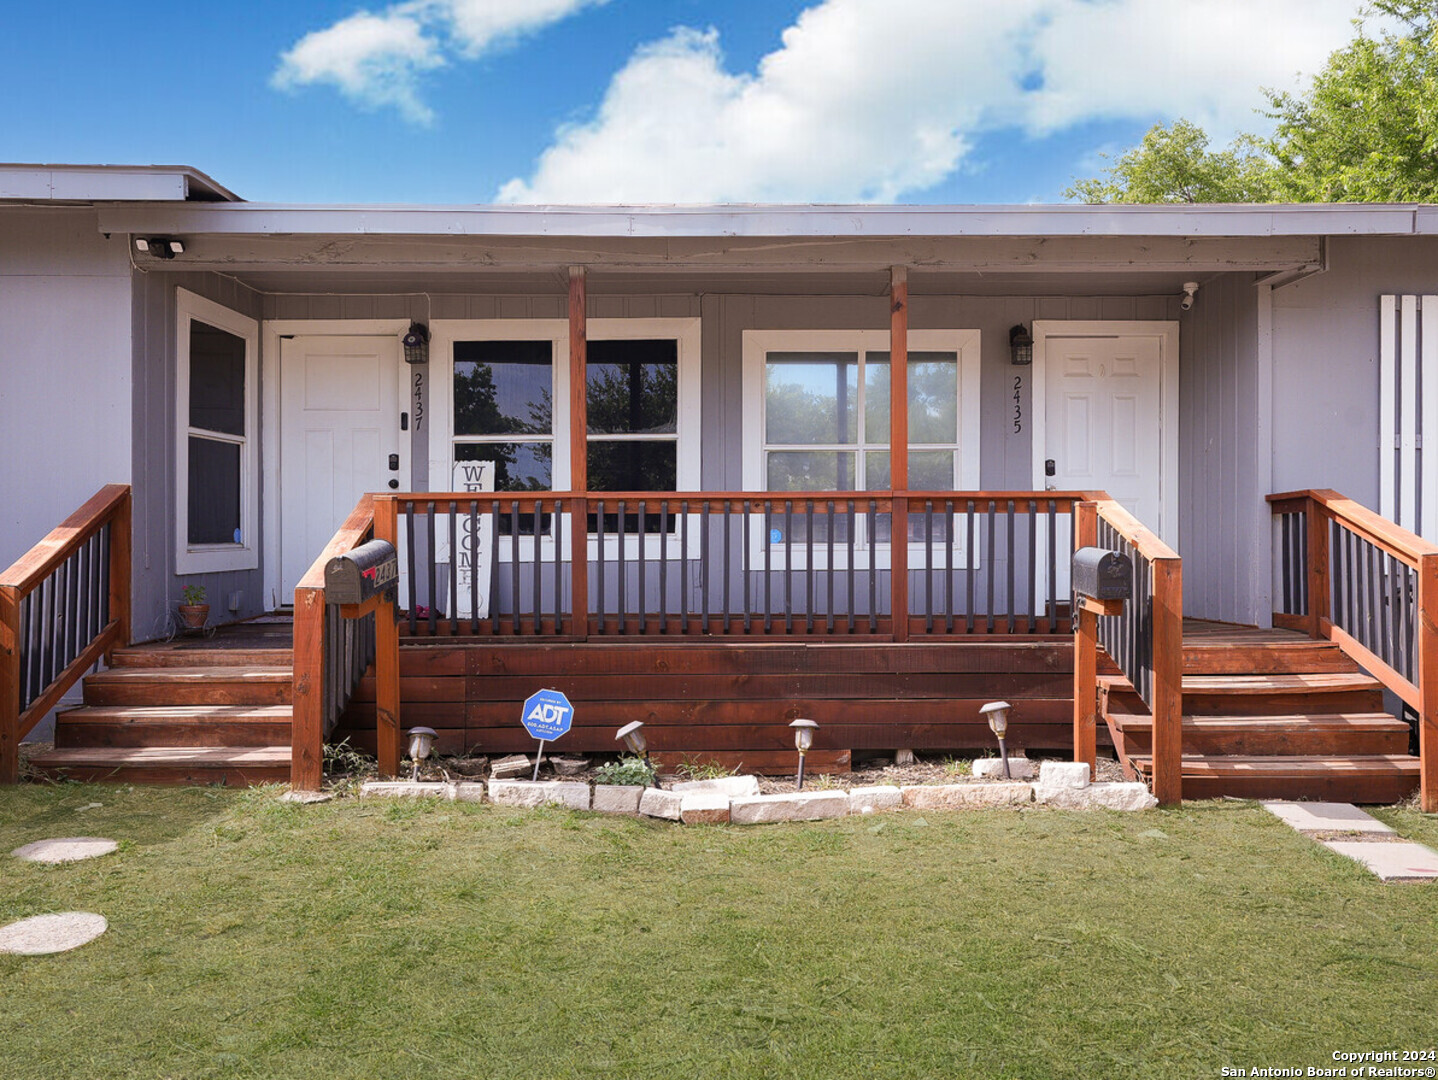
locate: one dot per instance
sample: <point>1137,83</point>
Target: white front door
<point>1103,422</point>
<point>339,438</point>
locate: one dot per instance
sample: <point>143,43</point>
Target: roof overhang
<point>108,183</point>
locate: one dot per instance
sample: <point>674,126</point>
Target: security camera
<point>1189,288</point>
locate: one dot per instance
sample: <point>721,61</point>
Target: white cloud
<point>870,99</point>
<point>377,60</point>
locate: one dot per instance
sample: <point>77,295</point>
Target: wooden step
<point>1379,778</point>
<point>161,686</point>
<point>146,656</point>
<point>173,725</point>
<point>232,766</point>
<point>1321,734</point>
<point>1254,695</point>
<point>1283,657</point>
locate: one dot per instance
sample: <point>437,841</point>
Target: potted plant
<point>193,609</point>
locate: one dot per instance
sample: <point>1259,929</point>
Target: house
<point>701,399</point>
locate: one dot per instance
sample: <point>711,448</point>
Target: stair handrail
<point>64,606</point>
<point>1145,639</point>
<point>1339,578</point>
<point>331,654</point>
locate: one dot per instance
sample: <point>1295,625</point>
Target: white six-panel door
<point>339,424</point>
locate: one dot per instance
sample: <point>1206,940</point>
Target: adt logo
<point>547,715</point>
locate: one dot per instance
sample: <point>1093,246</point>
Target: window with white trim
<point>217,446</point>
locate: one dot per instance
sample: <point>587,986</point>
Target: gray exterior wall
<point>64,369</point>
<point>1223,519</point>
<point>1325,363</point>
<point>156,585</point>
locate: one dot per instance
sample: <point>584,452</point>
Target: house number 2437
<point>1018,404</point>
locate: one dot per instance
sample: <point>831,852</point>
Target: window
<point>504,410</point>
<point>817,411</point>
<point>633,411</point>
<point>216,448</point>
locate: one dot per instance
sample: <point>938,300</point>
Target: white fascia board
<point>107,183</point>
<point>765,221</point>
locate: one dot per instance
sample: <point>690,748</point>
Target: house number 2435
<point>1018,404</point>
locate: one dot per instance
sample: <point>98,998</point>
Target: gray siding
<point>1223,519</point>
<point>156,585</point>
<point>64,369</point>
<point>1325,363</point>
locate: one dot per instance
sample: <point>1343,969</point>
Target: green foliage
<point>1365,130</point>
<point>628,770</point>
<point>703,769</point>
<point>193,595</point>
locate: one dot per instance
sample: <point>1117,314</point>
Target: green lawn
<point>252,938</point>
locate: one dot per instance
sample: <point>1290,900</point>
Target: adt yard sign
<point>547,715</point>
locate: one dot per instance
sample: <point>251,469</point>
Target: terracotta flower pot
<point>193,616</point>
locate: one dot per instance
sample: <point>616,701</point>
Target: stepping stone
<point>46,934</point>
<point>1403,861</point>
<point>1326,817</point>
<point>67,849</point>
<point>306,797</point>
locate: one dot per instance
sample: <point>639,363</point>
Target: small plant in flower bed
<point>631,771</point>
<point>697,769</point>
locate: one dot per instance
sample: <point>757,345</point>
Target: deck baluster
<point>829,552</point>
<point>599,531</point>
<point>643,596</point>
<point>873,567</point>
<point>928,566</point>
<point>949,540</point>
<point>704,565</point>
<point>473,568</point>
<point>728,566</point>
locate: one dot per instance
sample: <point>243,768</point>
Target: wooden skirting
<point>700,697</point>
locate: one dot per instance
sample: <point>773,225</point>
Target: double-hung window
<point>216,446</point>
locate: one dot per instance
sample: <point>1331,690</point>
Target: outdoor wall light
<point>416,344</point>
<point>1189,289</point>
<point>803,739</point>
<point>1021,346</point>
<point>421,742</point>
<point>997,714</point>
<point>159,246</point>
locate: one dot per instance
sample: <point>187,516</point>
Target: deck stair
<point>189,711</point>
<point>1270,714</point>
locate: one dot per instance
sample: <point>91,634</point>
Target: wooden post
<point>1085,526</point>
<point>1317,556</point>
<point>120,547</point>
<point>579,449</point>
<point>1428,682</point>
<point>898,450</point>
<point>1168,681</point>
<point>9,684</point>
<point>307,703</point>
<point>386,652</point>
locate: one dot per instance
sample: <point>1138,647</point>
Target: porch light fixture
<point>803,740</point>
<point>416,344</point>
<point>421,742</point>
<point>159,246</point>
<point>1190,288</point>
<point>1021,346</point>
<point>997,714</point>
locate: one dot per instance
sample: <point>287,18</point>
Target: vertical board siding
<point>1223,520</point>
<point>1408,446</point>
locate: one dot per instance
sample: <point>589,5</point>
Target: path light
<point>633,737</point>
<point>803,739</point>
<point>997,714</point>
<point>421,742</point>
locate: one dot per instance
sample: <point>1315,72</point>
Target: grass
<point>252,938</point>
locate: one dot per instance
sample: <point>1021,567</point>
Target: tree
<point>1366,130</point>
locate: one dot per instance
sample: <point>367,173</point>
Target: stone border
<point>736,799</point>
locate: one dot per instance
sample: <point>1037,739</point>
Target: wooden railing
<point>1357,579</point>
<point>333,647</point>
<point>1145,640</point>
<point>735,563</point>
<point>64,605</point>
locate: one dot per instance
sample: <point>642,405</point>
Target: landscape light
<point>421,742</point>
<point>803,740</point>
<point>997,714</point>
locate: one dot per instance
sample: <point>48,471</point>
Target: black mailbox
<point>1102,575</point>
<point>354,577</point>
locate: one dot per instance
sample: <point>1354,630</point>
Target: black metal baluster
<point>1286,571</point>
<point>409,557</point>
<point>453,516</point>
<point>1009,539</point>
<point>809,566</point>
<point>1033,604</point>
<point>473,568</point>
<point>494,604</point>
<point>788,566</point>
<point>27,652</point>
<point>1053,567</point>
<point>829,605</point>
<point>929,566</point>
<point>430,528</point>
<point>949,566</point>
<point>874,567</point>
<point>684,567</point>
<point>768,567</point>
<point>516,595</point>
<point>853,570</point>
<point>558,521</point>
<point>969,560</point>
<point>599,531</point>
<point>643,595</point>
<point>747,538</point>
<point>664,566</point>
<point>537,569</point>
<point>728,565</point>
<point>704,565</point>
<point>622,568</point>
<point>989,562</point>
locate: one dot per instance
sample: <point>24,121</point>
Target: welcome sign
<point>473,563</point>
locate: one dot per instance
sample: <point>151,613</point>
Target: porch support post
<point>9,684</point>
<point>1085,528</point>
<point>307,721</point>
<point>120,569</point>
<point>1318,612</point>
<point>578,451</point>
<point>386,651</point>
<point>898,449</point>
<point>1168,680</point>
<point>1428,682</point>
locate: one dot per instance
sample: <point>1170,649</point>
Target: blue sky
<point>465,101</point>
